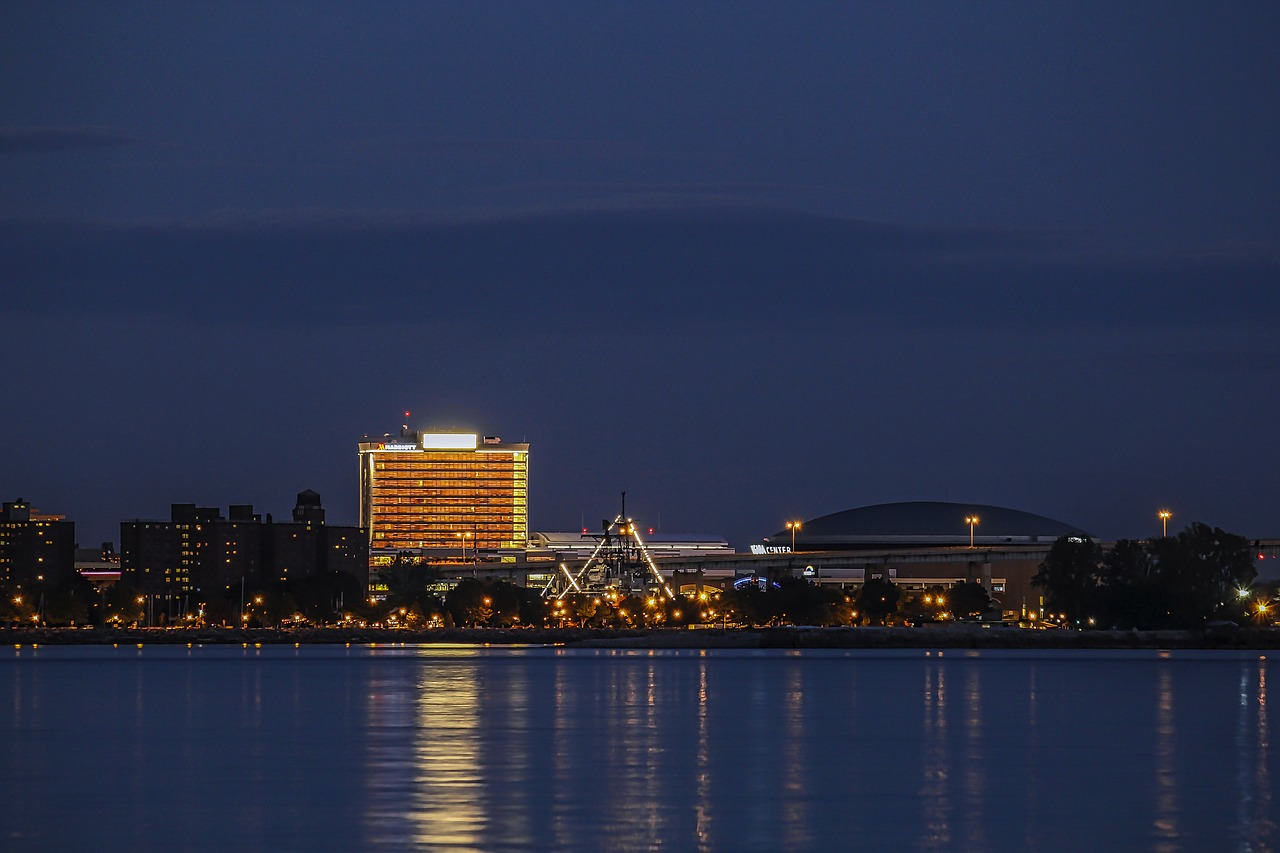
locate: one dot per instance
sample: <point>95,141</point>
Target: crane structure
<point>620,563</point>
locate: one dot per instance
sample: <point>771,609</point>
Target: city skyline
<point>747,268</point>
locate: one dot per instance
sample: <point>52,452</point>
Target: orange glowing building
<point>444,495</point>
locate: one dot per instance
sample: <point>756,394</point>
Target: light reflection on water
<point>1165,824</point>
<point>935,826</point>
<point>477,749</point>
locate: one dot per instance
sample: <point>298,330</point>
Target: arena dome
<point>922,523</point>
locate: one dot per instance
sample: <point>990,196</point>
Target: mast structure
<point>619,563</point>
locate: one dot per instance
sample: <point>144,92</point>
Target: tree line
<point>1200,575</point>
<point>1194,577</point>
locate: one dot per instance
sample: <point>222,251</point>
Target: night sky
<point>746,261</point>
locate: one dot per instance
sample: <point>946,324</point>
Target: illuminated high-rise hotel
<point>447,493</point>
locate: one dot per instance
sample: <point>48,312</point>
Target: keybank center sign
<point>770,549</point>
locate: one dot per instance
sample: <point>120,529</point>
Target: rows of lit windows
<point>453,526</point>
<point>489,462</point>
<point>458,498</point>
<point>446,499</point>
<point>417,481</point>
<point>448,536</point>
<point>450,470</point>
<point>429,466</point>
<point>448,527</point>
<point>459,508</point>
<point>410,487</point>
<point>445,527</point>
<point>463,466</point>
<point>439,500</point>
<point>416,478</point>
<point>464,496</point>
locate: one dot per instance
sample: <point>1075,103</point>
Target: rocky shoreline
<point>928,637</point>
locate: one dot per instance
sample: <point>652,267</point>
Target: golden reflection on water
<point>445,804</point>
<point>424,762</point>
<point>702,781</point>
<point>561,770</point>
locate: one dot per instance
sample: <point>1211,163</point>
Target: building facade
<point>36,549</point>
<point>200,552</point>
<point>444,496</point>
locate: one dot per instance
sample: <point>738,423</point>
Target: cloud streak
<point>694,265</point>
<point>28,140</point>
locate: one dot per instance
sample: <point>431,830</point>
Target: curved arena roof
<point>924,523</point>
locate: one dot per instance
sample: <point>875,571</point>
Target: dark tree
<point>469,602</point>
<point>802,603</point>
<point>1200,570</point>
<point>1132,596</point>
<point>1070,576</point>
<point>533,609</point>
<point>69,606</point>
<point>321,598</point>
<point>878,600</point>
<point>406,579</point>
<point>968,599</point>
<point>505,603</point>
<point>748,605</point>
<point>924,605</point>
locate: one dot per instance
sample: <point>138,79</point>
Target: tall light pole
<point>972,521</point>
<point>1164,516</point>
<point>793,526</point>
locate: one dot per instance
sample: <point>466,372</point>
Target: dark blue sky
<point>746,261</point>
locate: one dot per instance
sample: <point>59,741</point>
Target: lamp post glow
<point>793,526</point>
<point>1164,516</point>
<point>972,521</point>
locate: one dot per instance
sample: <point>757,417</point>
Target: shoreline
<point>926,637</point>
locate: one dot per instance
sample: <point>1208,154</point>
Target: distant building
<point>444,496</point>
<point>36,549</point>
<point>579,546</point>
<point>308,545</point>
<point>925,543</point>
<point>916,524</point>
<point>198,550</point>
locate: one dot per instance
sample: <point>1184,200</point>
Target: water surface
<point>514,749</point>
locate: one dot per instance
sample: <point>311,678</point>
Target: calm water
<point>492,749</point>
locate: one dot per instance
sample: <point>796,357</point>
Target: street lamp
<point>1164,516</point>
<point>793,526</point>
<point>464,537</point>
<point>972,521</point>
